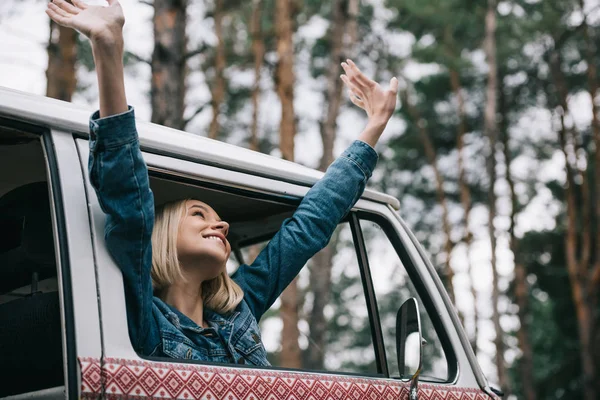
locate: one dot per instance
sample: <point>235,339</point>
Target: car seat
<point>30,326</point>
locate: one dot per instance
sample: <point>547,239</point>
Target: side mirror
<point>409,344</point>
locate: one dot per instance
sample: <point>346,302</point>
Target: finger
<point>354,88</point>
<point>394,85</point>
<point>58,11</point>
<point>111,2</point>
<point>362,78</point>
<point>357,102</point>
<point>59,19</point>
<point>63,5</point>
<point>352,75</point>
<point>351,95</point>
<point>80,4</point>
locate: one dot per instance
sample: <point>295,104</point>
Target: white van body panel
<point>82,271</point>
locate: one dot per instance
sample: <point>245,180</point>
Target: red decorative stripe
<point>125,379</point>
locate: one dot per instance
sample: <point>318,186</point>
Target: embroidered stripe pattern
<point>129,379</point>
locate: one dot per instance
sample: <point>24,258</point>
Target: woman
<point>180,301</point>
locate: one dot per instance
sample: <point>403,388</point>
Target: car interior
<point>30,333</point>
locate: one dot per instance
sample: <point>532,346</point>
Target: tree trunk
<point>578,266</point>
<point>218,85</point>
<point>521,288</point>
<point>490,126</point>
<point>334,84</point>
<point>342,38</point>
<point>290,350</point>
<point>284,79</point>
<point>447,273</point>
<point>351,27</point>
<point>594,274</point>
<point>168,63</point>
<point>465,194</point>
<point>320,284</point>
<point>258,51</point>
<point>62,56</point>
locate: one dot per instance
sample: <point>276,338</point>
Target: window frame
<point>423,290</point>
<point>57,210</point>
<point>369,291</point>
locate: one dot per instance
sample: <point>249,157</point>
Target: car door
<point>48,300</point>
<point>121,372</point>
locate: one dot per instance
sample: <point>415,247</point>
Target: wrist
<point>107,41</point>
<point>373,131</point>
<point>377,123</point>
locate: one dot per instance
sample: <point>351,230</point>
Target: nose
<point>221,226</point>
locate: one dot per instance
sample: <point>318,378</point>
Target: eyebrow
<point>204,209</point>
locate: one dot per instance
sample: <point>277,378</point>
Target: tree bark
<point>320,284</point>
<point>284,77</point>
<point>218,86</point>
<point>168,63</point>
<point>424,136</point>
<point>578,267</point>
<point>342,37</point>
<point>594,274</point>
<point>333,93</point>
<point>491,129</point>
<point>465,194</point>
<point>258,51</point>
<point>521,287</point>
<point>62,56</point>
<point>290,350</point>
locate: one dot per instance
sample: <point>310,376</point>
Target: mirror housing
<point>408,321</point>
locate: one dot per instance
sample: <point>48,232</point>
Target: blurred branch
<point>198,111</point>
<point>194,53</point>
<point>137,58</point>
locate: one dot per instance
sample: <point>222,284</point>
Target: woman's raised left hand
<point>369,95</point>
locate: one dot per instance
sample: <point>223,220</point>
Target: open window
<point>395,280</point>
<point>334,330</point>
<point>31,354</point>
<point>343,325</point>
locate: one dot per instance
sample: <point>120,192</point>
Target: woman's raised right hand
<point>102,24</point>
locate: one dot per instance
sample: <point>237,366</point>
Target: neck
<point>187,298</point>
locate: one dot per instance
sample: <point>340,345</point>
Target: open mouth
<point>216,239</point>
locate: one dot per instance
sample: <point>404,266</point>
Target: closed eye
<point>200,213</point>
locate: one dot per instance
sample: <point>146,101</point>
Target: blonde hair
<point>220,294</point>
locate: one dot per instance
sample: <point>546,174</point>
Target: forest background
<point>492,151</point>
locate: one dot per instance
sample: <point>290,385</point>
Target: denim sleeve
<point>120,177</point>
<point>308,230</point>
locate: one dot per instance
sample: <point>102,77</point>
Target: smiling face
<point>202,245</point>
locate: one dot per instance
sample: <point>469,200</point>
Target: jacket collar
<point>181,321</point>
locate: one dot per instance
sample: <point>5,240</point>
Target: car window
<point>335,333</point>
<point>393,287</point>
<point>30,324</point>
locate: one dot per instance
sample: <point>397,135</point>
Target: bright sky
<point>23,60</point>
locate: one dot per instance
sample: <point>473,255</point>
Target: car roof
<point>57,114</point>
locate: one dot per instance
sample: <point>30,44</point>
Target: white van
<point>63,323</point>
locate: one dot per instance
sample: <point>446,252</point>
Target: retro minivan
<point>387,327</point>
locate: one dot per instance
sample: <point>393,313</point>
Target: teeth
<point>215,238</point>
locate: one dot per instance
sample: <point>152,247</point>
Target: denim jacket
<point>120,177</point>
